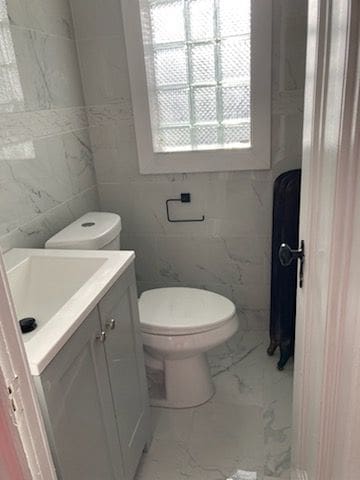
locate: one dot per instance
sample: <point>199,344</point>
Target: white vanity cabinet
<point>124,352</point>
<point>93,394</point>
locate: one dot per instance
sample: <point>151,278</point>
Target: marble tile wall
<point>47,175</point>
<point>230,252</point>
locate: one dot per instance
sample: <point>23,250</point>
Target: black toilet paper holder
<point>184,198</point>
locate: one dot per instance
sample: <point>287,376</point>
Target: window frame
<point>255,157</point>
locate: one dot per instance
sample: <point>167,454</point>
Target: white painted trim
<point>13,365</point>
<point>254,158</point>
<point>327,380</point>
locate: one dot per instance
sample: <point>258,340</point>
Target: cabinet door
<point>124,351</point>
<point>76,400</point>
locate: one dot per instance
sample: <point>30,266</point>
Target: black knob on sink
<point>27,324</point>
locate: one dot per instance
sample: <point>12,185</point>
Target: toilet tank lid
<point>92,231</point>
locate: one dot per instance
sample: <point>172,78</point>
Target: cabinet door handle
<point>110,324</point>
<point>101,337</point>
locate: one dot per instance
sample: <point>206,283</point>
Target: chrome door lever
<point>110,324</point>
<point>287,255</point>
<point>101,337</point>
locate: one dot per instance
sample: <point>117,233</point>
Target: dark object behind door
<point>286,209</point>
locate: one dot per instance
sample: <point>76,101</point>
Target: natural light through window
<point>199,74</point>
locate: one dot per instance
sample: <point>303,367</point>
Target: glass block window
<point>198,69</point>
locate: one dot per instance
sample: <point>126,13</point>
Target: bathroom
<point>75,137</point>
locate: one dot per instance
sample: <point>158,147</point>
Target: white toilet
<point>178,324</point>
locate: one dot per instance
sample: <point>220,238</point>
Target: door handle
<point>110,324</point>
<point>101,337</point>
<point>287,255</point>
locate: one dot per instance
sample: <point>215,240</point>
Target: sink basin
<point>59,288</point>
<point>40,286</point>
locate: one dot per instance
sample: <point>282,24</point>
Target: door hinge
<point>11,394</point>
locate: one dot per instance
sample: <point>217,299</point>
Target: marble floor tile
<point>235,351</point>
<point>165,460</point>
<point>170,424</point>
<point>277,428</point>
<point>242,433</point>
<point>240,389</point>
<point>221,458</point>
<point>232,421</point>
<point>278,389</point>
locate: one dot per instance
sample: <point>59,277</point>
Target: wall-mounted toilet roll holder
<point>184,198</point>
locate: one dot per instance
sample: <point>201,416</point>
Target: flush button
<point>88,224</point>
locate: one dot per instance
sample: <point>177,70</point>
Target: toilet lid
<point>181,311</point>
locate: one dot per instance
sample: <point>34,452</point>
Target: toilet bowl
<point>179,325</point>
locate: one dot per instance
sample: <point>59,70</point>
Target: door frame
<point>25,452</point>
<point>326,422</point>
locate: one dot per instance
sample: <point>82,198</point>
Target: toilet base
<point>187,383</point>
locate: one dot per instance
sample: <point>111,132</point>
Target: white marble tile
<point>165,460</point>
<point>118,198</point>
<point>79,160</point>
<point>102,62</point>
<point>240,386</point>
<point>278,387</point>
<point>241,349</point>
<point>48,17</point>
<point>207,260</point>
<point>251,297</point>
<point>86,201</point>
<point>145,248</point>
<point>116,163</point>
<point>16,208</point>
<point>187,259</point>
<point>24,126</point>
<point>170,425</point>
<point>142,206</point>
<point>48,69</point>
<point>34,230</point>
<point>61,168</point>
<point>110,114</point>
<point>242,207</point>
<point>46,166</point>
<point>258,318</point>
<point>93,18</point>
<point>39,181</point>
<point>229,261</point>
<point>230,420</point>
<point>248,254</point>
<point>221,458</point>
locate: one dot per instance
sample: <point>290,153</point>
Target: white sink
<point>58,288</point>
<point>41,285</point>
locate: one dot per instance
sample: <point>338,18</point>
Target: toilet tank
<point>92,231</point>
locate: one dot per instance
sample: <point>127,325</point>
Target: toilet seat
<point>183,311</point>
